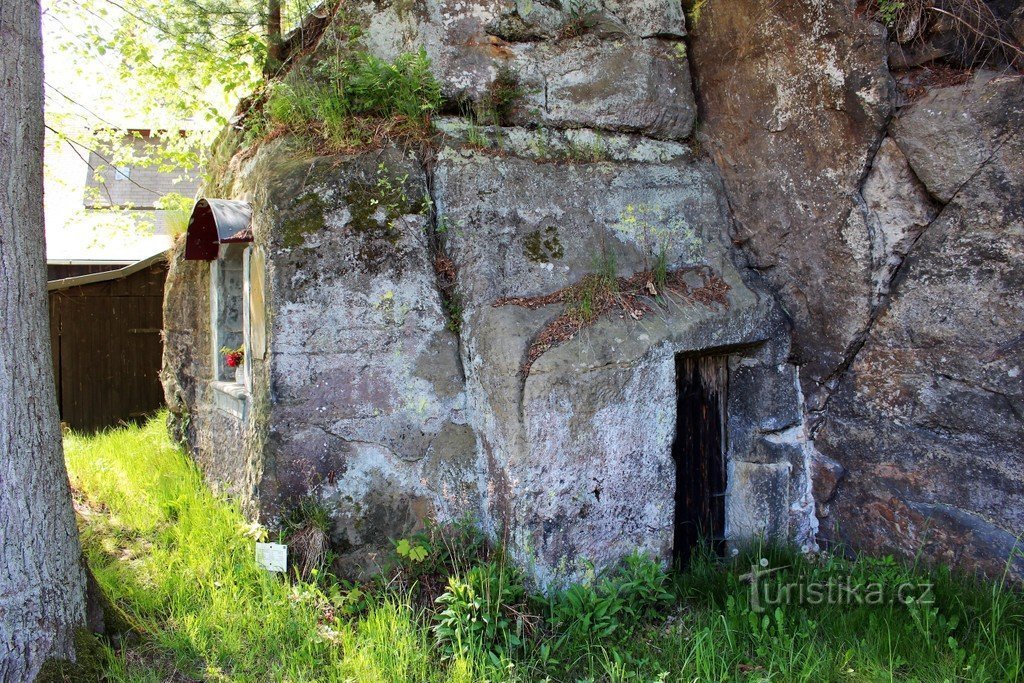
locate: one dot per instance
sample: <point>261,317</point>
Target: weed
<point>307,531</point>
<point>592,151</point>
<point>541,143</point>
<point>660,269</point>
<point>596,292</point>
<point>476,137</point>
<point>478,612</point>
<point>502,96</point>
<point>453,312</point>
<point>643,586</point>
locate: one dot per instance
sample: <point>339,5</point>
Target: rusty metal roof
<point>215,222</point>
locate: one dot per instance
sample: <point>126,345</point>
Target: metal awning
<point>215,222</point>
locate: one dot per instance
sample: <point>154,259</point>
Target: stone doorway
<point>699,454</point>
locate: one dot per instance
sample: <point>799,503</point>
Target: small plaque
<point>272,556</point>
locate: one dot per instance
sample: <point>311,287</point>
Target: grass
<point>177,561</point>
<point>177,210</point>
<point>358,101</point>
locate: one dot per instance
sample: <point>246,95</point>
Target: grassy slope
<point>178,562</point>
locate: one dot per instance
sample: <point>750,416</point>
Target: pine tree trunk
<point>42,580</point>
<point>274,38</point>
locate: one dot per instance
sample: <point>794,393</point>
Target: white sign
<point>272,556</point>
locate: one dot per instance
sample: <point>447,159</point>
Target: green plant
<point>177,211</point>
<point>307,531</point>
<point>453,312</point>
<point>541,143</point>
<point>605,267</point>
<point>478,612</point>
<point>596,292</point>
<point>660,269</point>
<point>413,550</point>
<point>582,612</point>
<point>500,99</point>
<point>580,19</point>
<point>476,137</point>
<point>889,11</point>
<point>353,95</point>
<point>643,587</point>
<point>592,151</point>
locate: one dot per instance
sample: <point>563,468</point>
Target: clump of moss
<point>88,664</point>
<point>306,216</point>
<point>543,247</point>
<point>375,208</point>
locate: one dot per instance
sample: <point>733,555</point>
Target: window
<point>122,172</point>
<point>228,310</point>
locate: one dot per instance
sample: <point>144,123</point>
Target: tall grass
<point>177,561</point>
<point>358,99</point>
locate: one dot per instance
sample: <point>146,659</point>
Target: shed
<point>105,330</point>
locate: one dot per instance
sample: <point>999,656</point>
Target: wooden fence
<point>107,344</point>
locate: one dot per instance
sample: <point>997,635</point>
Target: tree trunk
<point>42,580</point>
<point>274,44</point>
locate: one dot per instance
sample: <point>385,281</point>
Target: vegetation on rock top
<point>356,101</point>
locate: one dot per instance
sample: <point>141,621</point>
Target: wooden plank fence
<point>105,330</point>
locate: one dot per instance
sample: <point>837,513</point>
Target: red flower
<point>233,360</point>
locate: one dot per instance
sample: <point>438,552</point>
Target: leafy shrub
<point>889,10</point>
<point>635,594</point>
<point>478,612</point>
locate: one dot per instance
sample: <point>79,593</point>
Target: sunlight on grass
<point>177,562</point>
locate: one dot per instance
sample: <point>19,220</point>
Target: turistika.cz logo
<point>766,590</point>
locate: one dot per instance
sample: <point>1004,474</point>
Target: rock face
<point>795,98</point>
<point>362,402</point>
<point>571,62</point>
<point>928,419</point>
<point>852,265</point>
<point>579,450</point>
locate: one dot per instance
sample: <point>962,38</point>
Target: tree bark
<point>42,580</point>
<point>275,56</point>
